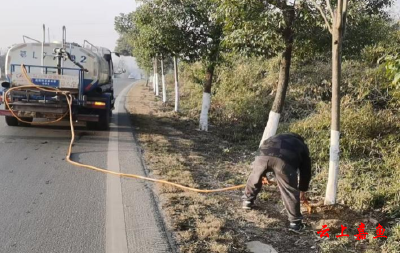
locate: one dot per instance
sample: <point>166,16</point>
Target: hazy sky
<point>396,9</point>
<point>92,20</point>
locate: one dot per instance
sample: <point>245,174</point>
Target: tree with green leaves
<point>188,28</point>
<point>123,47</point>
<point>265,28</point>
<point>336,25</point>
<point>286,27</point>
<point>335,19</point>
<point>125,27</point>
<point>202,27</point>
<point>154,35</point>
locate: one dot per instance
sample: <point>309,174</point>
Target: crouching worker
<point>285,155</point>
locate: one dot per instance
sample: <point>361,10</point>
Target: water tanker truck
<point>85,71</point>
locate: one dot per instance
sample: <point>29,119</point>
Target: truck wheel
<point>11,121</point>
<point>104,120</point>
<point>91,125</point>
<point>103,123</point>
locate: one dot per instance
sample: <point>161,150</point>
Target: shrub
<point>370,154</point>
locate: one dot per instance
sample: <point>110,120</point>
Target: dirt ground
<point>174,150</point>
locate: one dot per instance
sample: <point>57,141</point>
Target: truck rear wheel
<point>11,121</point>
<point>104,121</point>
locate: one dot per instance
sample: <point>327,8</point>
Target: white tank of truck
<point>96,60</point>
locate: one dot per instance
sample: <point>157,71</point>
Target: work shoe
<point>297,227</point>
<point>247,204</point>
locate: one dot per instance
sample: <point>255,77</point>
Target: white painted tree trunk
<point>157,86</point>
<point>272,126</point>
<point>284,76</point>
<point>338,28</point>
<point>331,188</point>
<point>176,85</point>
<point>164,87</point>
<point>154,77</point>
<point>204,111</point>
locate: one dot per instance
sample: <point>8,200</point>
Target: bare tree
<point>335,22</point>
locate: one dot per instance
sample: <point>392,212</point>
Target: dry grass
<point>176,151</point>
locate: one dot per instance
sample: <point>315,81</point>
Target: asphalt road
<point>48,205</point>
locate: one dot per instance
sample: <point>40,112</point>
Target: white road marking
<point>116,241</point>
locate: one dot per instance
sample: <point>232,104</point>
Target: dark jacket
<point>291,149</point>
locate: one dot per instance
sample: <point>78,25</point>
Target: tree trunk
<point>337,40</point>
<point>283,81</point>
<point>157,86</point>
<point>154,75</point>
<point>164,88</point>
<point>176,85</point>
<point>206,98</point>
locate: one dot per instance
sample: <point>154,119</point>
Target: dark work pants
<point>286,178</point>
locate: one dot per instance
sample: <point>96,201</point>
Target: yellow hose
<point>69,101</point>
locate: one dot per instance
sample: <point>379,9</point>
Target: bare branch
<point>328,4</point>
<point>328,25</point>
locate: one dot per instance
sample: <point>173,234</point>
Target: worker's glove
<point>304,200</point>
<point>264,181</point>
<point>303,196</point>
